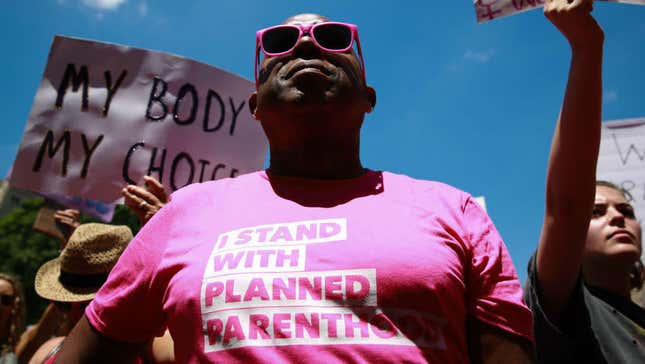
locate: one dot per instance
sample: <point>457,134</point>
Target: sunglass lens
<point>279,40</point>
<point>333,36</point>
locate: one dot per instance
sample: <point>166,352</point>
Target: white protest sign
<point>622,159</point>
<point>98,209</point>
<point>481,200</point>
<point>106,115</point>
<point>487,10</point>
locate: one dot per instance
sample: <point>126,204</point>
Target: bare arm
<point>488,345</point>
<point>571,173</point>
<point>160,350</point>
<point>85,345</point>
<point>48,326</point>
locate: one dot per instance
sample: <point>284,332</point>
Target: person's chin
<point>624,251</point>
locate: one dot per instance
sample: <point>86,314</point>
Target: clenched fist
<point>574,20</point>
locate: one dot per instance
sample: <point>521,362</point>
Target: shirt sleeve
<point>129,306</point>
<point>494,292</point>
<point>556,343</point>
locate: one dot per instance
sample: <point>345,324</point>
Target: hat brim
<point>48,287</point>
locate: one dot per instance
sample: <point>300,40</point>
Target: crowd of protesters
<point>70,281</point>
<point>433,253</point>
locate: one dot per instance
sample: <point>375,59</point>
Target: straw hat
<point>83,265</point>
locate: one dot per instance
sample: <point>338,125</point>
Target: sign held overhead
<point>487,10</point>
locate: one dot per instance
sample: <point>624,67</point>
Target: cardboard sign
<point>622,159</point>
<point>487,10</point>
<point>106,115</point>
<point>46,224</point>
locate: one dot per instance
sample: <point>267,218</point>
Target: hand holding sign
<point>145,201</point>
<point>574,20</point>
<point>68,217</point>
<point>487,10</point>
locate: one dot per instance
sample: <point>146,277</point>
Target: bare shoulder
<point>41,354</point>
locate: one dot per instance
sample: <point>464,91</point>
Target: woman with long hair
<point>12,317</point>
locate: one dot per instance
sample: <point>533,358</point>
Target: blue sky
<point>470,105</point>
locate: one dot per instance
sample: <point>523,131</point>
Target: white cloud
<point>479,56</point>
<point>103,4</point>
<point>143,8</point>
<point>609,96</point>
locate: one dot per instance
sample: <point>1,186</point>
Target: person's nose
<point>616,218</point>
<point>306,48</point>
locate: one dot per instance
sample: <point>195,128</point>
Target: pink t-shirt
<point>379,268</point>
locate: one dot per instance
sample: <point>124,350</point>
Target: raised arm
<point>571,173</point>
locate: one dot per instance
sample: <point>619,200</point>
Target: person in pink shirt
<point>316,259</point>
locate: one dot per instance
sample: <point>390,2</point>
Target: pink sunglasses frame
<point>308,30</point>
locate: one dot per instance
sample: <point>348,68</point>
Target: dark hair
<point>17,320</point>
<point>628,196</point>
<point>637,276</point>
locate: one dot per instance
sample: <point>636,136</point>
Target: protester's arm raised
<point>85,345</point>
<point>571,173</point>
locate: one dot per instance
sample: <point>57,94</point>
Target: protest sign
<point>46,224</point>
<point>622,159</point>
<point>487,10</point>
<point>98,209</point>
<point>481,200</point>
<point>106,115</point>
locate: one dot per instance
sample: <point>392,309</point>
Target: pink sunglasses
<point>329,36</point>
